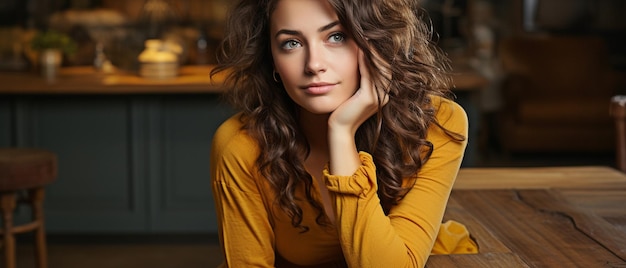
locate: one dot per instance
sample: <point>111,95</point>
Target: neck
<point>315,128</point>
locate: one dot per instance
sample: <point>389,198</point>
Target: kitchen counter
<point>87,80</point>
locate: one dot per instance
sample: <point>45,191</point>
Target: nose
<point>316,60</point>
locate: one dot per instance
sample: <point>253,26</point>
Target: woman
<point>345,149</point>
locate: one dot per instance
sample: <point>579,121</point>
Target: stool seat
<point>25,168</point>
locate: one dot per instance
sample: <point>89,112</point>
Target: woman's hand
<point>347,118</point>
<point>361,106</point>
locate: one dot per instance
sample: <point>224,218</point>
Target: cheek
<point>289,75</point>
<point>349,61</point>
<point>287,68</point>
<point>350,71</point>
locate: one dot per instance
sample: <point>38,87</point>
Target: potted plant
<point>51,45</point>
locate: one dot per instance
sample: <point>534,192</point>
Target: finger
<point>363,71</point>
<point>366,82</point>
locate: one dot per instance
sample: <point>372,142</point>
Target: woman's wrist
<point>344,157</point>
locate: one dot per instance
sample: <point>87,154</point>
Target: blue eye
<point>337,38</point>
<point>291,44</point>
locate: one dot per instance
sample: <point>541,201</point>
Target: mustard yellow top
<point>254,232</point>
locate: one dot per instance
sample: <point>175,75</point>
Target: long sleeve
<point>245,230</point>
<point>404,237</point>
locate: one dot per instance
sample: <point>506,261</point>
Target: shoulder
<point>229,130</point>
<point>450,115</point>
<point>232,146</point>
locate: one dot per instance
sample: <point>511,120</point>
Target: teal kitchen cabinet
<point>127,163</point>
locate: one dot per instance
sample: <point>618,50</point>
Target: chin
<point>320,109</point>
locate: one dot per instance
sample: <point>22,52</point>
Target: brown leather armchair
<point>555,92</point>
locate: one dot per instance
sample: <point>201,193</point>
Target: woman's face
<point>316,60</point>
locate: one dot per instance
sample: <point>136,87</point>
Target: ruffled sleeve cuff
<point>360,184</point>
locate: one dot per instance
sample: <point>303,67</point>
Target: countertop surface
<point>87,80</point>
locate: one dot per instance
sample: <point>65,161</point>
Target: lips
<point>318,88</point>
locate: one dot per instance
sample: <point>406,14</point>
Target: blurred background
<point>133,136</point>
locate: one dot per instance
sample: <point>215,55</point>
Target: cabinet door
<point>135,164</point>
<point>101,182</point>
<point>180,183</point>
<point>5,122</point>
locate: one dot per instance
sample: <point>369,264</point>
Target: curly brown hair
<point>401,58</point>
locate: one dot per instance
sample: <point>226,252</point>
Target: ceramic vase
<point>50,61</point>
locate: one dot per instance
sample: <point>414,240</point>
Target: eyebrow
<point>321,29</point>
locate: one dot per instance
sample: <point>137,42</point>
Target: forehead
<point>301,13</point>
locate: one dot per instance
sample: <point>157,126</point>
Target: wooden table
<point>540,217</point>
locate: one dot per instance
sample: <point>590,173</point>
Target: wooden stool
<point>618,111</point>
<point>25,170</point>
